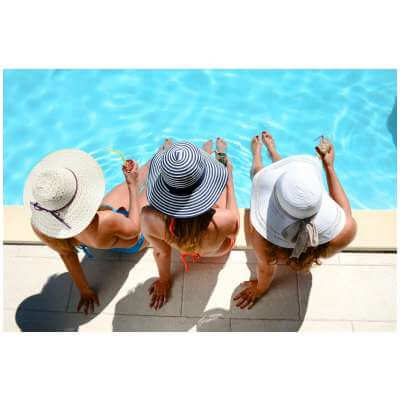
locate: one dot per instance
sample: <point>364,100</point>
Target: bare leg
<point>119,195</point>
<point>257,164</point>
<point>269,142</point>
<point>221,147</point>
<point>167,143</point>
<point>207,146</point>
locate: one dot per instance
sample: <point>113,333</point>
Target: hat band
<point>186,190</point>
<point>56,213</point>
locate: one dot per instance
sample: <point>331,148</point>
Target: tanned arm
<point>265,274</point>
<point>338,194</point>
<point>152,226</point>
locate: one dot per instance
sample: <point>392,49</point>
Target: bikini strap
<point>85,249</point>
<point>195,257</point>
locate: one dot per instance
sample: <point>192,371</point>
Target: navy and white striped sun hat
<point>185,181</point>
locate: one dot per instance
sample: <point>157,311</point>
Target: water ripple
<point>134,110</point>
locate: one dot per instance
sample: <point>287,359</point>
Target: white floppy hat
<point>185,181</point>
<point>64,191</point>
<point>288,201</point>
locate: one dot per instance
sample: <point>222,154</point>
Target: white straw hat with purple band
<point>64,191</point>
<point>290,206</point>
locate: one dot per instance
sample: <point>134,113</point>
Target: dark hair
<point>187,233</point>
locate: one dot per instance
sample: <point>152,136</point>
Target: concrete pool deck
<point>352,291</point>
<point>349,292</point>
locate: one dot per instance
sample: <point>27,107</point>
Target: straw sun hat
<point>290,206</point>
<point>64,191</point>
<point>185,181</point>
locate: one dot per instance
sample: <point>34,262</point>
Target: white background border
<point>194,34</point>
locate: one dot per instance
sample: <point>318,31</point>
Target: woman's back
<point>216,239</point>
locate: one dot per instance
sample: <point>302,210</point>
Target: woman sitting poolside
<point>192,208</point>
<point>293,220</point>
<point>65,194</point>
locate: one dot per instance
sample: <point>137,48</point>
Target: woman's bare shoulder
<point>345,237</point>
<point>152,221</point>
<point>226,220</point>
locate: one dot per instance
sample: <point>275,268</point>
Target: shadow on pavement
<point>282,308</point>
<point>104,273</point>
<point>198,296</point>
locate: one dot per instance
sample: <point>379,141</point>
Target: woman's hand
<point>88,298</point>
<point>130,170</point>
<point>327,158</point>
<point>248,296</point>
<point>159,291</point>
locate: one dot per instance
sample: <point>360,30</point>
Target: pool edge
<point>17,229</point>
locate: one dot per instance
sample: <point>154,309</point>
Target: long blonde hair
<point>187,233</point>
<point>63,246</point>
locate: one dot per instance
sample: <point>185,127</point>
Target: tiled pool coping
<point>376,229</point>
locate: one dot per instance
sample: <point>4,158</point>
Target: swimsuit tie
<point>195,257</point>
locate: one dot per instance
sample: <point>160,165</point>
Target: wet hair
<point>187,233</point>
<point>302,264</point>
<point>62,246</point>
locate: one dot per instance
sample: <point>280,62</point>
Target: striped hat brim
<point>201,199</point>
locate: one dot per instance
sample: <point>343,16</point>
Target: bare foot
<point>269,142</point>
<point>207,146</point>
<point>167,143</point>
<point>257,163</point>
<point>256,145</point>
<point>221,145</point>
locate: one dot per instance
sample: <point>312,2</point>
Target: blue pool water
<point>133,110</point>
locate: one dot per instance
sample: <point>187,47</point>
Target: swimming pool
<point>133,110</point>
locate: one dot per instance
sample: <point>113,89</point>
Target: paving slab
<point>199,284</point>
<point>368,326</point>
<point>122,323</point>
<point>123,287</point>
<point>249,257</point>
<point>247,325</point>
<point>212,322</point>
<point>209,288</point>
<point>367,258</point>
<point>36,284</point>
<point>280,302</point>
<point>242,325</point>
<point>40,321</point>
<point>326,326</point>
<point>10,250</point>
<point>37,251</point>
<point>349,293</point>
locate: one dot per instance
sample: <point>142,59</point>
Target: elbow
<point>353,229</point>
<point>161,254</point>
<point>136,231</point>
